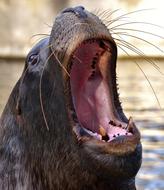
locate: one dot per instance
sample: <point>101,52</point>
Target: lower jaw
<point>120,145</point>
<point>113,162</point>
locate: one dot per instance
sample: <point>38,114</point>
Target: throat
<point>93,105</point>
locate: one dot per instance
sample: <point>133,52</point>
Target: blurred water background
<point>20,20</point>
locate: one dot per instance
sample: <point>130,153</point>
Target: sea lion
<point>63,127</point>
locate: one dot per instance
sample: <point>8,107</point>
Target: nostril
<point>79,11</point>
<point>68,10</point>
<point>80,7</point>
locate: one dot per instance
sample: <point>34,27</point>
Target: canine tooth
<point>102,131</point>
<point>130,123</point>
<point>96,135</point>
<point>90,132</point>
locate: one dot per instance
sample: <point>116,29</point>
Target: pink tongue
<point>114,132</point>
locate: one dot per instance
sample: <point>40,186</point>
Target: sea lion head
<point>67,98</point>
<point>85,48</point>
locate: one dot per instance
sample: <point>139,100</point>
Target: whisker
<point>108,23</point>
<point>114,11</point>
<point>96,11</point>
<point>130,23</point>
<point>37,40</point>
<point>117,33</point>
<point>40,85</point>
<point>126,14</point>
<point>77,59</point>
<point>141,31</point>
<point>43,49</point>
<point>138,52</point>
<point>151,86</point>
<point>35,35</point>
<point>48,25</point>
<point>23,76</point>
<point>143,41</point>
<point>61,65</point>
<point>101,14</point>
<point>146,77</point>
<point>109,14</point>
<point>66,90</point>
<point>40,92</point>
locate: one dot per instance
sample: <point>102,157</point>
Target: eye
<point>33,59</point>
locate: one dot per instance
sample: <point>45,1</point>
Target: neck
<point>67,170</point>
<point>62,163</point>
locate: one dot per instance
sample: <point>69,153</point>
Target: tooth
<point>130,123</point>
<point>96,135</point>
<point>90,132</point>
<point>102,131</point>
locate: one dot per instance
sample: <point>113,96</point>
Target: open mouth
<point>93,103</point>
